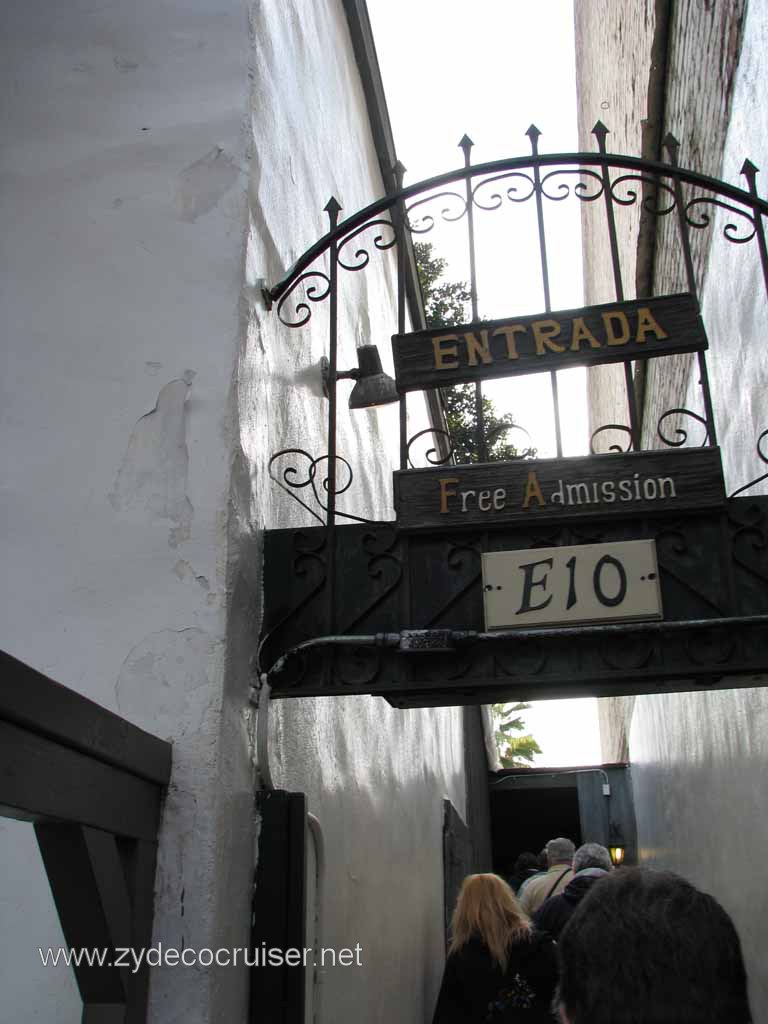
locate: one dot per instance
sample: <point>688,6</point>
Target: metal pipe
<point>263,770</point>
<point>317,837</point>
<point>407,641</point>
<point>553,774</point>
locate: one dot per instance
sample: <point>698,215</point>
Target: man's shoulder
<point>532,878</point>
<point>546,878</point>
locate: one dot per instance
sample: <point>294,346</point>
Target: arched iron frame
<point>661,189</point>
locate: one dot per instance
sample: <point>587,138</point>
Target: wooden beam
<point>279,908</point>
<point>139,862</point>
<point>103,888</point>
<point>41,780</point>
<point>77,864</point>
<point>30,699</point>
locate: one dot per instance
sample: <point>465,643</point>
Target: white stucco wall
<point>699,760</point>
<point>156,154</point>
<point>374,777</point>
<point>123,211</point>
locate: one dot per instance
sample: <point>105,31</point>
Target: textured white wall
<point>154,150</point>
<point>699,760</point>
<point>375,777</point>
<point>123,210</point>
<point>122,245</point>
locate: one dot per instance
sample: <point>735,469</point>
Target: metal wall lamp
<point>616,845</point>
<point>372,385</point>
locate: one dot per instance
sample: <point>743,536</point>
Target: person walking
<point>499,969</point>
<point>525,867</point>
<point>591,862</point>
<point>648,946</point>
<point>558,874</point>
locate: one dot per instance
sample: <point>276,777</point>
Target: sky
<point>490,69</point>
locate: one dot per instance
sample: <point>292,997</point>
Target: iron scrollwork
<point>357,666</point>
<point>291,480</point>
<point>362,255</point>
<point>620,428</point>
<point>425,223</point>
<point>651,202</point>
<point>495,200</point>
<point>700,219</point>
<point>579,189</point>
<point>308,565</point>
<point>432,455</point>
<point>384,560</point>
<point>315,292</point>
<point>680,432</point>
<point>763,456</point>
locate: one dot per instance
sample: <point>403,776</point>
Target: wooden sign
<point>583,583</point>
<point>616,332</point>
<point>538,490</point>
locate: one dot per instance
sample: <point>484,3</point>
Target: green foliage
<point>514,751</point>
<point>445,305</point>
<point>461,416</point>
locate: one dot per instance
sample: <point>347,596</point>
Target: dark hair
<point>646,947</point>
<point>526,861</point>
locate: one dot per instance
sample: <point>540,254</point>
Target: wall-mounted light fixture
<point>372,385</point>
<point>616,846</point>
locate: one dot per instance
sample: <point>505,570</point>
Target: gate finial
<point>333,208</point>
<point>600,132</point>
<point>533,134</point>
<point>749,171</point>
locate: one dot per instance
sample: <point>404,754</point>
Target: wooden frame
<point>92,784</point>
<point>279,909</point>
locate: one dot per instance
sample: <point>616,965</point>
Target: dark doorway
<point>525,819</point>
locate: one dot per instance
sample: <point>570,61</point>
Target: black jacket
<point>555,913</point>
<point>475,991</point>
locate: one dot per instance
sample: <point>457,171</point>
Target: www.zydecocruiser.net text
<point>162,956</point>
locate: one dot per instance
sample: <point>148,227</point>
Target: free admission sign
<point>589,487</point>
<point>616,332</point>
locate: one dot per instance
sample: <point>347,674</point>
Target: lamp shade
<point>372,385</point>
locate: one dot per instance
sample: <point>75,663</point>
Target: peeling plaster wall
<point>123,206</point>
<point>158,152</point>
<point>699,760</point>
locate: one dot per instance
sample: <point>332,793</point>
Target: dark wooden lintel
<point>35,702</point>
<point>43,780</point>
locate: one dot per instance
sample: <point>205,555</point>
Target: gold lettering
<point>532,490</point>
<point>477,348</point>
<point>441,353</point>
<point>646,324</point>
<point>445,494</point>
<point>544,333</point>
<point>613,338</point>
<point>509,333</point>
<point>582,333</point>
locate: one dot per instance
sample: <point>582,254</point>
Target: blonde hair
<point>487,907</point>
